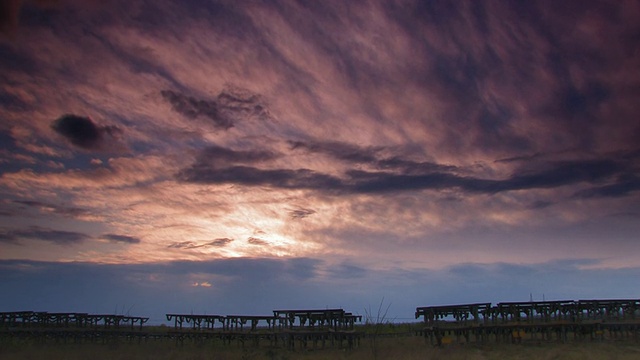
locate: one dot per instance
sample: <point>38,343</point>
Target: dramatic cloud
<point>84,133</point>
<point>404,175</point>
<point>369,148</point>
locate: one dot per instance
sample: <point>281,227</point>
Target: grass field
<point>386,348</point>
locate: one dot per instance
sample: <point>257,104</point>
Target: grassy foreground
<point>386,348</point>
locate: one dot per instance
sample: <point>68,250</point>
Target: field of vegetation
<point>404,347</point>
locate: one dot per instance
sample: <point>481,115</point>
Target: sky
<point>236,157</point>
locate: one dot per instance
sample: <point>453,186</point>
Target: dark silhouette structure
<point>539,320</point>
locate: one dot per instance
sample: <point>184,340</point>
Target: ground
<point>385,348</point>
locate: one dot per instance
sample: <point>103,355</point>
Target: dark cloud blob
<point>220,242</point>
<point>193,108</point>
<point>257,241</point>
<point>125,239</point>
<point>84,133</point>
<point>223,111</point>
<point>301,213</point>
<point>58,237</point>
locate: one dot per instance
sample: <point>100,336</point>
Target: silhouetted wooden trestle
<point>541,321</point>
<point>31,319</point>
<point>285,328</point>
<point>69,327</point>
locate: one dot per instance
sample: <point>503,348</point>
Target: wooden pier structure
<point>517,321</point>
<point>507,322</point>
<point>314,327</point>
<point>69,327</point>
<point>284,328</point>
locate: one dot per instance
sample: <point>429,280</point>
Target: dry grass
<point>406,348</point>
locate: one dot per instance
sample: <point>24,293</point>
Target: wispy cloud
<point>125,239</point>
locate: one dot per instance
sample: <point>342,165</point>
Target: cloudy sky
<point>242,156</point>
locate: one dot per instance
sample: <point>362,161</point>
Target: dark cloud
<point>375,157</point>
<point>9,10</point>
<point>194,108</point>
<point>381,182</point>
<point>556,174</point>
<point>242,103</point>
<point>220,242</point>
<point>251,176</point>
<point>223,111</point>
<point>53,208</point>
<point>623,187</point>
<point>121,239</point>
<point>521,158</point>
<point>338,150</point>
<point>257,241</point>
<point>12,102</point>
<point>58,237</point>
<point>540,204</point>
<point>9,237</point>
<point>12,11</point>
<point>301,213</point>
<point>84,133</point>
<point>217,156</point>
<point>183,245</point>
<point>403,175</point>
